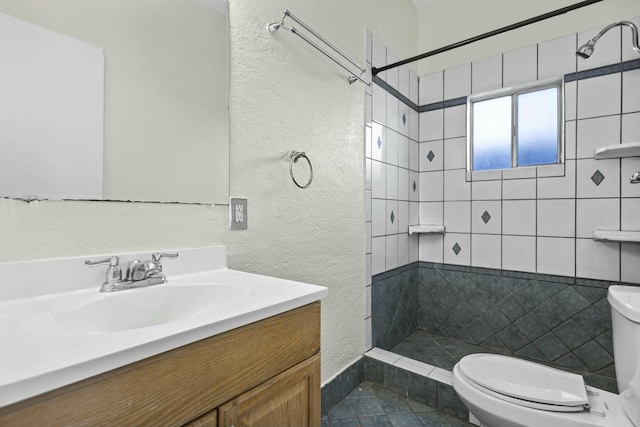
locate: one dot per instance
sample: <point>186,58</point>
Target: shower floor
<point>445,352</point>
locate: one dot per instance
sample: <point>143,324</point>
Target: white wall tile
<point>486,74</point>
<point>378,255</point>
<point>556,218</point>
<point>414,125</point>
<point>555,255</point>
<point>596,133</point>
<point>378,54</point>
<point>520,66</point>
<point>391,254</point>
<point>431,88</point>
<point>457,217</point>
<point>379,105</point>
<point>571,100</point>
<point>414,186</point>
<point>486,190</point>
<point>403,151</point>
<point>607,49</point>
<point>596,214</point>
<point>378,217</point>
<point>597,260</point>
<point>367,237</point>
<point>431,186</point>
<point>630,218</point>
<point>519,253</point>
<point>368,108</point>
<point>455,153</point>
<point>570,135</point>
<point>367,269</point>
<point>414,248</point>
<point>457,81</point>
<point>403,218</point>
<point>367,141</point>
<point>414,155</point>
<point>455,185</point>
<point>391,150</point>
<point>519,189</point>
<point>557,57</point>
<point>431,247</point>
<point>392,176</point>
<point>599,96</point>
<point>403,184</point>
<point>562,187</point>
<point>519,218</point>
<point>455,121</point>
<point>486,251</point>
<point>378,142</point>
<point>404,78</point>
<point>608,187</point>
<point>378,180</point>
<point>431,125</point>
<point>464,243</point>
<point>404,119</point>
<point>403,249</point>
<point>631,91</point>
<point>629,265</point>
<point>437,160</point>
<point>393,107</point>
<point>414,213</point>
<point>631,127</point>
<point>367,206</point>
<point>431,213</point>
<point>367,174</point>
<point>494,210</point>
<point>391,217</point>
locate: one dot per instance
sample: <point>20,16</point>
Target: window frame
<point>513,92</point>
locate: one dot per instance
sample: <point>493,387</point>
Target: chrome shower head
<point>586,50</point>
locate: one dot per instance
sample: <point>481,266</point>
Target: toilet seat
<point>525,383</point>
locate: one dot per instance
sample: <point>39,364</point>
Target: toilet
<point>504,391</point>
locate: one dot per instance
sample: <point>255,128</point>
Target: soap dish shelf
<point>616,151</point>
<point>426,229</point>
<point>616,236</point>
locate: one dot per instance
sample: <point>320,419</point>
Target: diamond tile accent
<point>486,217</point>
<point>414,186</point>
<point>430,156</point>
<point>392,217</point>
<point>597,177</point>
<point>379,142</point>
<point>456,249</point>
<point>404,119</point>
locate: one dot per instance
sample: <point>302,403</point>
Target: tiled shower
<point>517,269</point>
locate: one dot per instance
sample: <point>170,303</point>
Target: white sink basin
<point>144,307</point>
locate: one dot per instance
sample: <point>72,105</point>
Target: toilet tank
<point>625,317</point>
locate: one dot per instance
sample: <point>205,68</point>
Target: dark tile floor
<point>371,405</point>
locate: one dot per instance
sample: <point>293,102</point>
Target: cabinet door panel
<point>291,399</point>
<point>209,419</point>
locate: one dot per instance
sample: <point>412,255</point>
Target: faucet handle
<point>114,273</point>
<point>157,256</point>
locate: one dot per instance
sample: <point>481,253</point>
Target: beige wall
<point>452,21</point>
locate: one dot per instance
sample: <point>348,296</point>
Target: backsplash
<point>536,220</point>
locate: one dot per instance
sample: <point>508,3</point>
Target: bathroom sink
<point>144,307</point>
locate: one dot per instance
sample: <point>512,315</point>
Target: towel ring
<point>294,156</point>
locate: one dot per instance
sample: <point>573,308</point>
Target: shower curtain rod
<point>376,70</point>
<point>275,26</point>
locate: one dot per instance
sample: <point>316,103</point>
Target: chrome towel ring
<point>294,156</point>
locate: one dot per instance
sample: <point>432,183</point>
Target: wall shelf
<point>616,236</point>
<point>630,149</point>
<point>426,229</point>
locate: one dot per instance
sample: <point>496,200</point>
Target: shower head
<point>586,50</point>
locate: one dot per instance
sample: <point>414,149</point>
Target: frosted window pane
<point>492,134</point>
<point>538,127</point>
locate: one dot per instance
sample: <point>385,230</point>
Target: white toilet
<point>502,391</point>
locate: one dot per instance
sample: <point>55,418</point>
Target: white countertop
<point>38,355</point>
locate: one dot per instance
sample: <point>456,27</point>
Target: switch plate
<point>237,213</point>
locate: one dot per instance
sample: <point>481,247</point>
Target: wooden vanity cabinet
<point>263,374</point>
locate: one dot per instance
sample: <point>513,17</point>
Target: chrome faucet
<point>138,275</point>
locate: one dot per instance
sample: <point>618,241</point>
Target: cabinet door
<point>291,399</point>
<point>210,419</point>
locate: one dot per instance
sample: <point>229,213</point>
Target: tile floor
<point>370,405</point>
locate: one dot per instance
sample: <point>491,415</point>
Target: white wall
<point>452,21</point>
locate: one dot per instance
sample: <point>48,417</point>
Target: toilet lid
<point>525,380</point>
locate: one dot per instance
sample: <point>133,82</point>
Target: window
<point>516,127</point>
